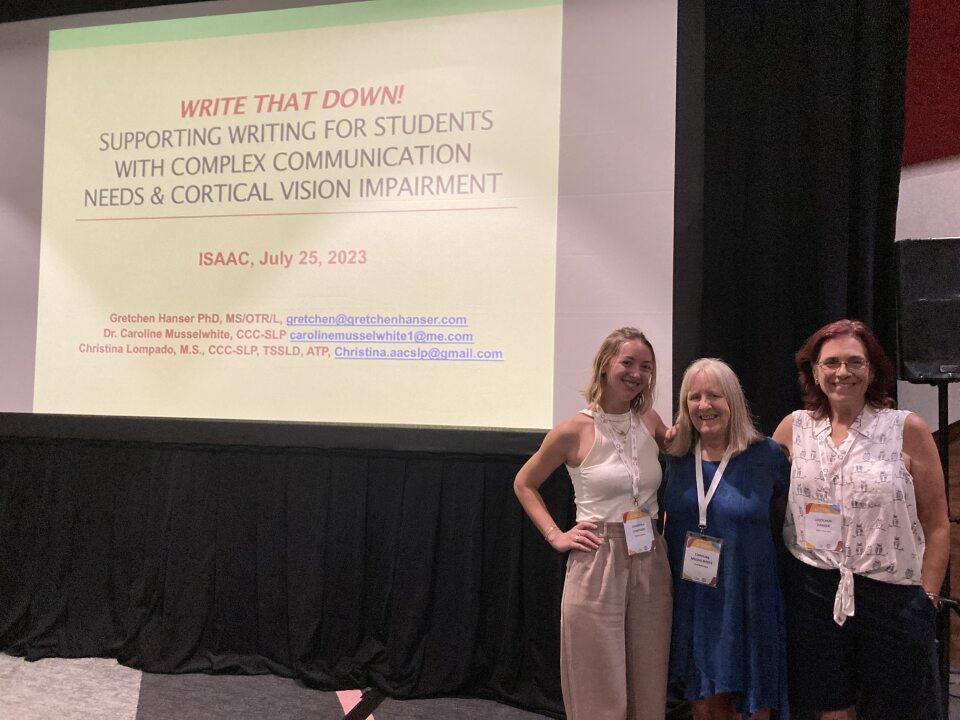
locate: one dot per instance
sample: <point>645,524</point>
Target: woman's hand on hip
<point>581,536</point>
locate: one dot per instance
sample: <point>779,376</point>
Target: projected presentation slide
<point>345,213</point>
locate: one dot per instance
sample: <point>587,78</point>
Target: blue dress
<point>730,638</point>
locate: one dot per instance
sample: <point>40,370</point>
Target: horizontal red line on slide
<point>276,214</point>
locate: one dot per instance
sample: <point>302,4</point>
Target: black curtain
<point>802,140</point>
<point>415,573</point>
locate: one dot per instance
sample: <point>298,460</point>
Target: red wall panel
<point>932,122</point>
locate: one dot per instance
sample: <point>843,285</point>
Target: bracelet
<point>935,599</point>
<point>549,532</point>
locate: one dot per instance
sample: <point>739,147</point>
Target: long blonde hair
<point>742,431</point>
<point>608,350</point>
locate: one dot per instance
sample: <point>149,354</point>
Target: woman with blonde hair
<point>728,645</point>
<point>615,612</point>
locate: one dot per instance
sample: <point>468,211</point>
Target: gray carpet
<point>232,697</point>
<point>100,689</point>
<point>61,689</point>
<point>459,708</point>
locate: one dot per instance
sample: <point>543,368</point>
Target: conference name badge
<point>701,559</point>
<point>638,529</point>
<point>822,527</point>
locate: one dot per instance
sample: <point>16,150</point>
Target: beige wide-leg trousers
<point>615,631</point>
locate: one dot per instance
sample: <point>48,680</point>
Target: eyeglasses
<point>854,365</point>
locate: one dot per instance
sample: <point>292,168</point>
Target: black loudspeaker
<point>928,309</point>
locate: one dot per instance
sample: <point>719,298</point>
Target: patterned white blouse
<point>866,477</point>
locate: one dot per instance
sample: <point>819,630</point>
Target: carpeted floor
<point>100,689</point>
<point>61,689</point>
<point>223,697</point>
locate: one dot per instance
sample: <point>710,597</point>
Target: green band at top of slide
<point>267,21</point>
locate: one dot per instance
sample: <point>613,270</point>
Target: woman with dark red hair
<point>868,530</point>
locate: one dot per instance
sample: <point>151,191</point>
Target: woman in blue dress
<point>728,644</point>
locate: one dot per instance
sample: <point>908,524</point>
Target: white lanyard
<point>634,469</point>
<point>704,498</point>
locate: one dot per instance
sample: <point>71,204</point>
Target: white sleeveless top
<point>866,476</point>
<point>602,484</point>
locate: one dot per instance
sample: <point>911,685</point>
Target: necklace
<point>620,424</point>
<point>631,426</point>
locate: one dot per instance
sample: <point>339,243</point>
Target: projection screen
<point>387,212</point>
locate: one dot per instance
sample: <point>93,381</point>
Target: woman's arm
<point>558,447</point>
<point>656,427</point>
<point>927,474</point>
<point>783,435</point>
